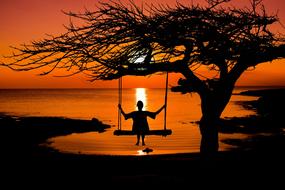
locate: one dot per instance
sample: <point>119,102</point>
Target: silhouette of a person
<point>140,125</point>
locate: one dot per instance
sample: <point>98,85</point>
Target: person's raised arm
<point>122,111</point>
<point>160,109</point>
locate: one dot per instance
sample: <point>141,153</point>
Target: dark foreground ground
<point>256,162</point>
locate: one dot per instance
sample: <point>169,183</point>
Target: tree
<point>125,39</point>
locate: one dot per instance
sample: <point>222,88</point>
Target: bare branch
<point>128,39</point>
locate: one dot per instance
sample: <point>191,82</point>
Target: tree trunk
<point>209,135</point>
<point>212,104</point>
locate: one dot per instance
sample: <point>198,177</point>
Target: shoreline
<point>21,136</point>
<point>39,129</point>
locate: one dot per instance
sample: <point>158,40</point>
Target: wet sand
<point>257,161</point>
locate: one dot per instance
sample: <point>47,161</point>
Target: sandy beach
<point>255,161</point>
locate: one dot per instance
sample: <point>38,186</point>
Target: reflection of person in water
<point>140,124</point>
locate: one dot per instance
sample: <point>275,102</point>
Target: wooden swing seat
<point>163,132</point>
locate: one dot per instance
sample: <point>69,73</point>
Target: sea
<point>183,110</point>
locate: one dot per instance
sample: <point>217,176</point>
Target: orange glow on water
<point>183,110</point>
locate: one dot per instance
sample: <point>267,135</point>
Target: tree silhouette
<point>125,39</point>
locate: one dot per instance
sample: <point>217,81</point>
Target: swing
<point>162,132</point>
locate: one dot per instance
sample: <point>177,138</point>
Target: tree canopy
<point>126,39</point>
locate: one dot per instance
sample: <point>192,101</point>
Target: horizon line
<point>84,88</point>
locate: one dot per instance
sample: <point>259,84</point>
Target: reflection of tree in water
<point>124,39</point>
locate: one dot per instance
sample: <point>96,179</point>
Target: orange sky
<point>25,20</point>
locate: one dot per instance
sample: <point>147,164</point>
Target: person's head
<point>140,105</point>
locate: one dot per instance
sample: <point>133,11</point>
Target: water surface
<point>182,112</point>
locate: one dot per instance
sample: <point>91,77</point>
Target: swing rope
<point>165,100</point>
<point>120,102</point>
<point>120,84</point>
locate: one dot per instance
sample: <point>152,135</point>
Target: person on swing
<point>140,124</point>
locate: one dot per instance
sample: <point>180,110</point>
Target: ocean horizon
<point>88,88</point>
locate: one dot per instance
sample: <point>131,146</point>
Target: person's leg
<point>143,139</point>
<point>138,139</point>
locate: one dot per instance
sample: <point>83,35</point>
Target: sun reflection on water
<point>141,95</point>
<point>141,152</point>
